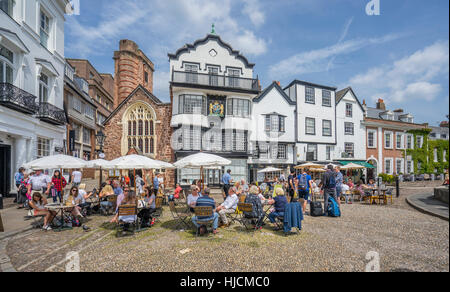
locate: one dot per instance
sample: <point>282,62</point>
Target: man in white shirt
<point>40,182</point>
<point>228,207</point>
<point>76,178</point>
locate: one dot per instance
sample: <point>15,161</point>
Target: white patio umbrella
<point>56,161</point>
<point>59,161</point>
<point>309,165</point>
<point>202,160</point>
<point>137,162</point>
<point>269,169</point>
<point>352,166</point>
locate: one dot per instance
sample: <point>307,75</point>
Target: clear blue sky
<point>401,55</point>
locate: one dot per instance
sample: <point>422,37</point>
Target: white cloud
<point>412,77</point>
<point>252,8</point>
<point>318,60</point>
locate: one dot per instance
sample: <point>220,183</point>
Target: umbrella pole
<point>134,177</point>
<point>201,178</point>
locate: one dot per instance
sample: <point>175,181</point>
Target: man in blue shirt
<point>156,184</point>
<point>303,187</point>
<point>227,181</point>
<point>18,177</point>
<point>206,201</point>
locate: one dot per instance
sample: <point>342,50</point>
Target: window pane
<point>310,95</point>
<point>326,98</point>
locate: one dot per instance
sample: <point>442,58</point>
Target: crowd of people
<point>35,188</point>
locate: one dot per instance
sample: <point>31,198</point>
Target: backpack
<point>303,182</point>
<point>333,208</point>
<point>330,183</point>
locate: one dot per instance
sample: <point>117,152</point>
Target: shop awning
<point>362,163</point>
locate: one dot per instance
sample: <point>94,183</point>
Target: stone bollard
<point>432,177</point>
<point>413,178</point>
<point>400,177</point>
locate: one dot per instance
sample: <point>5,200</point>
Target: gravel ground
<point>404,238</point>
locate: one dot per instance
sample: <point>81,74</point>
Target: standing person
<point>226,181</point>
<point>206,201</point>
<point>339,183</point>
<point>39,182</point>
<point>303,187</point>
<point>329,187</point>
<point>76,177</point>
<point>161,182</point>
<point>140,184</point>
<point>18,176</point>
<point>291,185</point>
<point>23,193</point>
<point>58,183</point>
<point>156,184</point>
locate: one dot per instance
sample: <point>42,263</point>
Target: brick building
<point>140,121</point>
<point>387,140</point>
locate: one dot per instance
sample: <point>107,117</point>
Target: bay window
<point>238,107</point>
<point>192,104</point>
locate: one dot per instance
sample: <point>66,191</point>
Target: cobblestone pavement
<point>404,238</point>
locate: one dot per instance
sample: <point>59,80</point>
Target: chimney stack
<point>381,105</point>
<point>444,124</point>
<point>400,111</point>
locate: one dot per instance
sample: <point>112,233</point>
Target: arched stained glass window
<point>140,130</point>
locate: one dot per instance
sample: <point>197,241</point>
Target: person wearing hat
<point>39,182</point>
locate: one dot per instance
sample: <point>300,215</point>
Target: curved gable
<point>211,37</point>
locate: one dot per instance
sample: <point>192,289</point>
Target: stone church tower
<point>132,68</point>
<point>140,122</point>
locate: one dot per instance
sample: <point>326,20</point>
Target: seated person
<point>129,198</point>
<point>347,193</point>
<point>206,201</point>
<point>279,203</point>
<point>83,196</point>
<point>146,213</point>
<point>258,212</point>
<point>119,201</point>
<point>350,184</point>
<point>74,199</point>
<point>106,205</point>
<point>193,197</point>
<point>261,196</point>
<point>228,207</point>
<point>38,203</point>
<point>371,184</point>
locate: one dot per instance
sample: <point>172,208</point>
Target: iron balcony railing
<point>51,114</point>
<point>17,99</point>
<point>215,80</point>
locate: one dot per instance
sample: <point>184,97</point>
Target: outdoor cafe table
<point>59,208</point>
<point>379,191</point>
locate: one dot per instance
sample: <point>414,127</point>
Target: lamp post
<point>100,136</point>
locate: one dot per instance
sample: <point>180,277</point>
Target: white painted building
<point>31,83</point>
<point>315,120</point>
<point>272,138</point>
<point>351,145</point>
<point>212,88</point>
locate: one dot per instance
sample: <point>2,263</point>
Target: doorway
<point>5,170</point>
<point>213,177</point>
